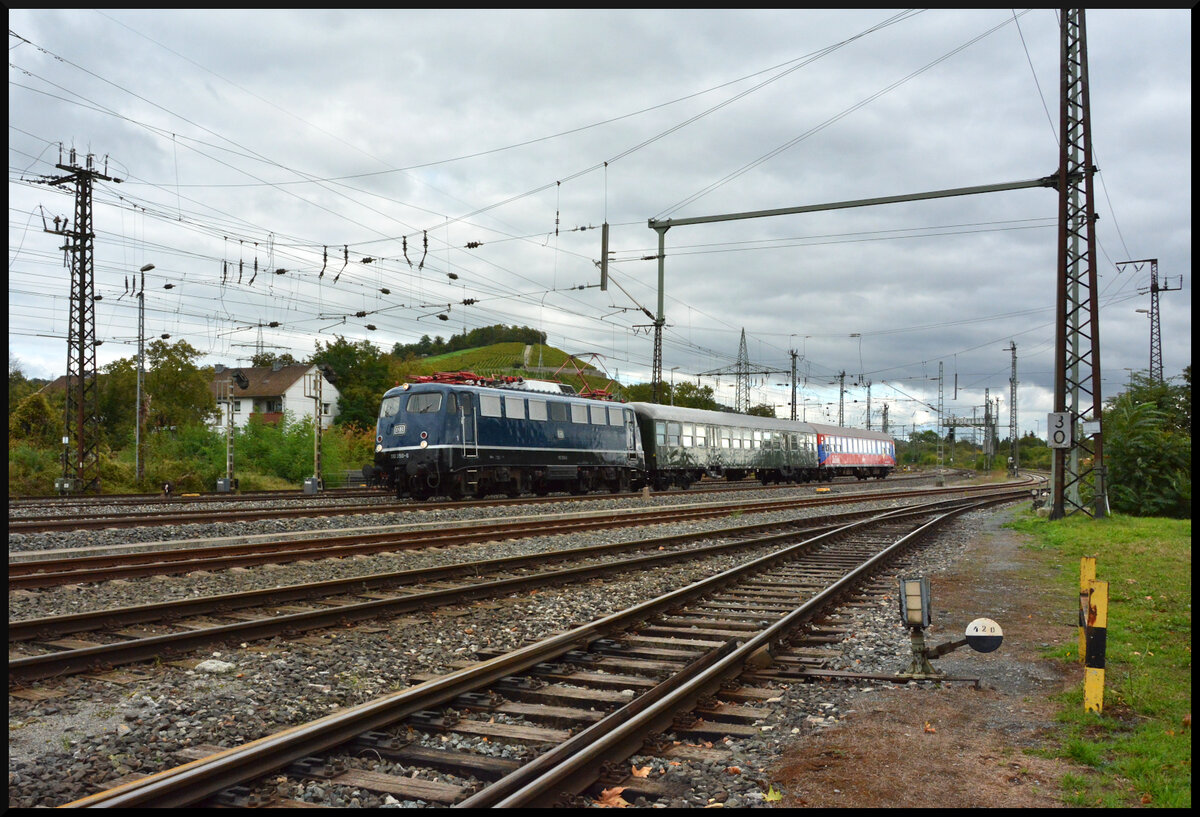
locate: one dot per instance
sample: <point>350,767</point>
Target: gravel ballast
<point>66,747</point>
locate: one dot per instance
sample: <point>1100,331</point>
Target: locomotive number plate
<point>399,428</point>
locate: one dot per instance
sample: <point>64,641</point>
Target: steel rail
<point>195,781</point>
<point>58,626</point>
<point>573,765</point>
<point>33,573</point>
<point>390,505</point>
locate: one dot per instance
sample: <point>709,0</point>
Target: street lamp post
<point>137,443</point>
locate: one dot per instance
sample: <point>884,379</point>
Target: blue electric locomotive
<point>459,435</point>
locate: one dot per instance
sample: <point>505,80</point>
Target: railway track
<point>31,571</point>
<point>174,512</point>
<point>571,703</point>
<point>156,631</point>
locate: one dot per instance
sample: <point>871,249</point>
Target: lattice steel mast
<point>1080,463</point>
<point>81,434</point>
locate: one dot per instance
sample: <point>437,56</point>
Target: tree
<point>117,398</point>
<point>19,386</point>
<point>177,391</point>
<point>34,421</point>
<point>1148,448</point>
<point>361,375</point>
<point>762,410</point>
<point>267,359</point>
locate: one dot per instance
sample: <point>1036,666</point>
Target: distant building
<point>270,391</point>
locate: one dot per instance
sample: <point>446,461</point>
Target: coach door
<point>468,418</point>
<point>631,435</point>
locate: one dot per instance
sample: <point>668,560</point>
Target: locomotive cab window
<point>388,408</point>
<point>424,403</point>
<point>451,404</point>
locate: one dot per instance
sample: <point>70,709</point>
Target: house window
<point>325,408</point>
<point>237,406</point>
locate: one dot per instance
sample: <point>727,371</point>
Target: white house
<point>270,391</point>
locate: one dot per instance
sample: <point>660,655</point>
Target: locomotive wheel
<point>457,490</point>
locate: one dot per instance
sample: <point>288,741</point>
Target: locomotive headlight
<point>424,444</point>
<point>378,448</point>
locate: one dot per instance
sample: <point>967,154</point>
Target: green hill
<point>532,361</point>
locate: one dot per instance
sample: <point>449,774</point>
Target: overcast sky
<point>372,155</point>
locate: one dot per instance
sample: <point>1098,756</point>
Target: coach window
<point>537,409</point>
<point>514,408</point>
<point>578,413</point>
<point>686,439</point>
<point>673,434</point>
<point>699,438</point>
<point>489,405</point>
<point>660,432</point>
<point>724,432</point>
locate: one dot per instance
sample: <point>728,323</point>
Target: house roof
<point>265,381</point>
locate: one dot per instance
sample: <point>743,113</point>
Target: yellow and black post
<point>1097,636</point>
<point>1087,574</point>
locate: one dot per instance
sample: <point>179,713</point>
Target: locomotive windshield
<point>417,404</point>
<point>389,407</point>
<point>424,403</point>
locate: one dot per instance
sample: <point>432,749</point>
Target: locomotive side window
<point>578,413</point>
<point>599,415</point>
<point>537,409</point>
<point>424,403</point>
<point>614,417</point>
<point>514,408</point>
<point>389,407</point>
<point>558,412</point>
<point>489,405</point>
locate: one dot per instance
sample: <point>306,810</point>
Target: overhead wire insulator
<point>345,261</point>
<point>474,245</point>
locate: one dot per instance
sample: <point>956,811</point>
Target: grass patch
<point>1139,749</point>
